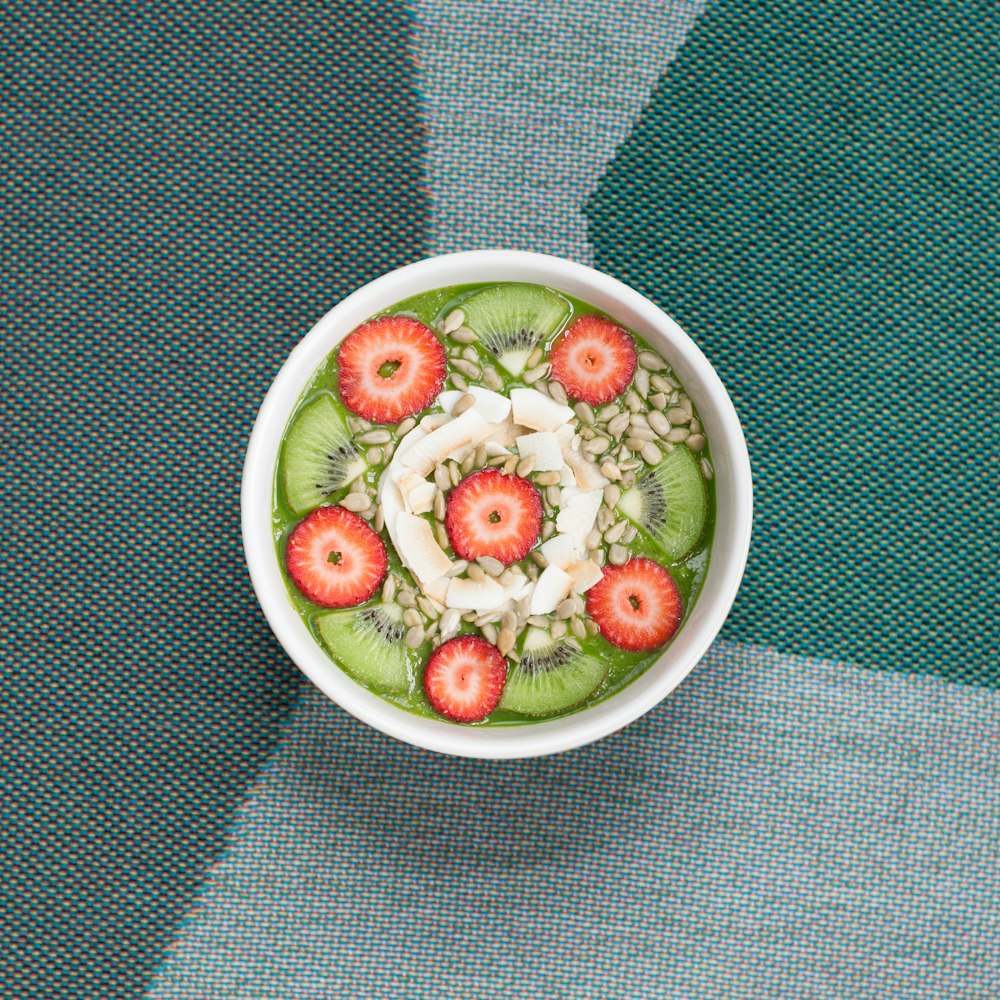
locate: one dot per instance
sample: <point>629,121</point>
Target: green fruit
<point>368,643</point>
<point>319,456</point>
<point>512,320</point>
<point>551,676</point>
<point>670,504</point>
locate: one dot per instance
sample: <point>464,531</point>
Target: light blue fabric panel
<point>525,103</point>
<point>780,827</point>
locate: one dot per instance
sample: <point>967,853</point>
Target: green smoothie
<point>640,459</point>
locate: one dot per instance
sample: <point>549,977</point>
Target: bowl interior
<point>733,504</point>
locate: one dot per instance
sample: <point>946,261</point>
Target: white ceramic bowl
<point>733,504</point>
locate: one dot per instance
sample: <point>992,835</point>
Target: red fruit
<point>491,514</point>
<point>594,359</point>
<point>334,558</point>
<point>636,606</point>
<point>390,368</point>
<point>464,678</point>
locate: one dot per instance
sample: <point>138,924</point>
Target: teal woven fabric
<point>811,189</point>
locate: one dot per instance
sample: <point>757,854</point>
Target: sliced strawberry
<point>334,558</point>
<point>390,368</point>
<point>492,514</point>
<point>464,678</point>
<point>594,359</point>
<point>636,606</point>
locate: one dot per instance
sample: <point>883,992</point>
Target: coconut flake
<point>544,445</point>
<point>464,431</point>
<point>474,595</point>
<point>538,411</point>
<point>419,550</point>
<point>552,588</point>
<point>577,516</point>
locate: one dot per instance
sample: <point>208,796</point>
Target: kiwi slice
<point>319,454</point>
<point>512,320</point>
<point>670,504</point>
<point>551,676</point>
<point>368,643</point>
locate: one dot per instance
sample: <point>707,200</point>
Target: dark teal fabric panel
<point>188,188</point>
<point>812,193</point>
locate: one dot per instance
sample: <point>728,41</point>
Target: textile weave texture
<point>810,189</point>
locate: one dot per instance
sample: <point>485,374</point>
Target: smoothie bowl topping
<point>494,504</point>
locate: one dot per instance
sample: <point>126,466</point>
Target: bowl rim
<point>530,739</point>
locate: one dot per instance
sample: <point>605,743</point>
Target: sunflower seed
<point>677,434</point>
<point>651,362</point>
<point>591,626</point>
<point>467,368</point>
<point>492,566</point>
<point>630,533</point>
<point>678,415</point>
<point>558,393</point>
<point>510,465</point>
<point>431,630</point>
<point>695,426</point>
<point>574,642</point>
<point>440,505</point>
<point>480,456</point>
<point>489,632</point>
<point>496,460</point>
<point>604,519</point>
<point>577,627</point>
<point>442,535</point>
<point>457,568</point>
<point>427,606</point>
<point>373,456</point>
<point>378,436</point>
<point>414,637</point>
<point>464,335</point>
<point>406,599</point>
<point>454,473</point>
<point>453,321</point>
<point>506,640</point>
<point>675,398</point>
<point>534,374</point>
<point>566,609</point>
<point>650,453</point>
<point>642,382</point>
<point>612,494</point>
<point>534,357</point>
<point>379,522</point>
<point>465,403</point>
<point>476,572</point>
<point>659,400</point>
<point>538,559</point>
<point>470,617</point>
<point>593,539</point>
<point>659,423</point>
<point>611,471</point>
<point>467,463</point>
<point>615,532</point>
<point>548,478</point>
<point>548,530</point>
<point>508,620</point>
<point>631,465</point>
<point>538,621</point>
<point>687,406</point>
<point>411,617</point>
<point>492,379</point>
<point>554,495</point>
<point>587,433</point>
<point>634,443</point>
<point>389,589</point>
<point>632,401</point>
<point>706,468</point>
<point>638,421</point>
<point>598,556</point>
<point>459,383</point>
<point>628,478</point>
<point>470,354</point>
<point>696,442</point>
<point>532,572</point>
<point>617,555</point>
<point>558,629</point>
<point>356,502</point>
<point>542,387</point>
<point>449,621</point>
<point>659,382</point>
<point>608,412</point>
<point>597,446</point>
<point>617,425</point>
<point>526,464</point>
<point>584,412</point>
